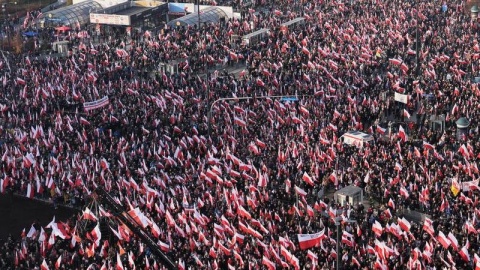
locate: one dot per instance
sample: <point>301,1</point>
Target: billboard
<point>111,19</point>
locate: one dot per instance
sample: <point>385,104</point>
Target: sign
<point>112,19</point>
<point>177,9</point>
<point>401,98</point>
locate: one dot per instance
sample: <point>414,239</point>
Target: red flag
<point>243,213</point>
<point>30,191</point>
<point>402,134</point>
<point>307,241</point>
<point>269,264</point>
<point>377,228</point>
<point>443,240</point>
<point>58,262</point>
<point>464,254</point>
<point>87,214</point>
<point>44,265</point>
<point>307,179</point>
<point>119,265</point>
<point>404,224</point>
<point>163,246</point>
<point>453,240</point>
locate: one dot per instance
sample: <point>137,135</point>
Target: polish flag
<point>443,240</point>
<point>155,230</point>
<point>104,164</point>
<point>58,262</point>
<point>377,228</point>
<point>87,214</point>
<point>333,178</point>
<point>333,127</point>
<point>391,203</point>
<point>84,121</point>
<point>381,130</point>
<point>395,62</point>
<point>428,226</point>
<point>470,228</point>
<point>406,113</point>
<point>312,256</point>
<point>307,179</point>
<point>310,211</point>
<point>307,241</point>
<point>243,213</point>
<point>428,146</point>
<point>269,264</point>
<point>260,82</point>
<point>29,161</point>
<point>404,224</point>
<point>30,191</point>
<point>20,81</point>
<point>44,265</point>
<point>398,166</point>
<point>332,212</point>
<point>119,265</point>
<point>465,255</point>
<point>300,191</point>
<point>163,246</point>
<point>404,192</point>
<point>96,235</point>
<point>402,134</point>
<point>239,121</point>
<point>139,217</point>
<point>453,240</point>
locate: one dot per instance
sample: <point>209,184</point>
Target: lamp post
<point>474,13</point>
<point>338,224</point>
<point>209,116</point>
<point>417,45</point>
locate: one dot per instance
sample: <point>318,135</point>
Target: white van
<point>356,138</point>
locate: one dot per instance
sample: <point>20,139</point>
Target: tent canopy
<point>207,15</point>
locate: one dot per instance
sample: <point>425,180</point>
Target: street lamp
<point>338,223</point>
<point>474,13</point>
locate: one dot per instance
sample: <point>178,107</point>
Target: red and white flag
<point>300,191</point>
<point>163,246</point>
<point>453,240</point>
<point>308,179</point>
<point>428,146</point>
<point>58,262</point>
<point>404,224</point>
<point>443,240</point>
<point>307,241</point>
<point>465,255</point>
<point>377,228</point>
<point>381,130</point>
<point>119,265</point>
<point>44,265</point>
<point>139,217</point>
<point>30,191</point>
<point>402,134</point>
<point>269,264</point>
<point>87,214</point>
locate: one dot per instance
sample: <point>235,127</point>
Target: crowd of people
<point>222,182</point>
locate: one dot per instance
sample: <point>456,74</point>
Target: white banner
<point>401,98</point>
<point>99,103</point>
<point>111,19</point>
<point>470,185</point>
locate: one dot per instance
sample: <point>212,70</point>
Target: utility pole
<point>417,44</point>
<point>338,223</point>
